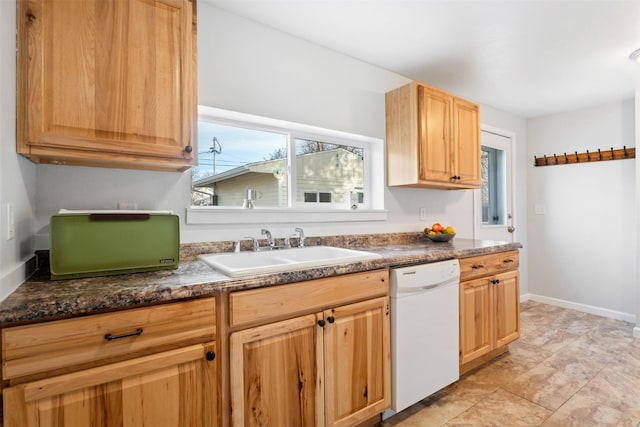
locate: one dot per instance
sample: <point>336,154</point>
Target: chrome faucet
<point>267,233</point>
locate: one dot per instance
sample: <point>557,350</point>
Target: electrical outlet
<point>423,214</point>
<point>128,206</point>
<point>11,222</point>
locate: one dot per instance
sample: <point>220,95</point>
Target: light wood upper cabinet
<point>107,83</point>
<point>489,305</point>
<point>433,139</point>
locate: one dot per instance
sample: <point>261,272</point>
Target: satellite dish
<point>279,172</point>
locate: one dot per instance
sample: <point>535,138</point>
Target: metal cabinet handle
<point>331,319</point>
<point>475,267</point>
<point>506,261</point>
<point>110,337</point>
<point>210,355</point>
<point>321,323</point>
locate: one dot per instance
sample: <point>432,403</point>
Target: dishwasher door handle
<point>426,288</point>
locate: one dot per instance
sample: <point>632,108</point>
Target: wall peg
<point>577,158</point>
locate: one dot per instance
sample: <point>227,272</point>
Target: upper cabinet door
<point>107,82</point>
<point>466,130</point>
<point>434,146</point>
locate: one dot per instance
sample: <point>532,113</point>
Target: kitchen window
<point>292,167</point>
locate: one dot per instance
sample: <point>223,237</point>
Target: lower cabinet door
<point>357,361</point>
<point>277,374</point>
<point>171,389</point>
<point>475,319</point>
<point>506,294</point>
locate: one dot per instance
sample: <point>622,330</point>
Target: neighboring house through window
<point>290,165</point>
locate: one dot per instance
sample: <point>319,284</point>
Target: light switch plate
<point>540,209</point>
<point>423,214</point>
<point>11,222</point>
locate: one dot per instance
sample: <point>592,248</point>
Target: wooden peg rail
<point>588,156</point>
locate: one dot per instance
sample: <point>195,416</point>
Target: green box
<point>101,244</point>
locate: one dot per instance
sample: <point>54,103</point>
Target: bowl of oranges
<point>438,233</point>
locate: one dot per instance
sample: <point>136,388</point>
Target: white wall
<point>247,67</point>
<point>636,330</point>
<point>17,175</point>
<point>582,252</point>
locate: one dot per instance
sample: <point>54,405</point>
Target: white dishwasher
<point>424,331</point>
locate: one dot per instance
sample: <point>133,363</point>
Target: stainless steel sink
<point>248,263</point>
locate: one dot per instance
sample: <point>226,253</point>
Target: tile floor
<point>567,369</point>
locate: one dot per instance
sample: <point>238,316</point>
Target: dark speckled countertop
<point>41,299</point>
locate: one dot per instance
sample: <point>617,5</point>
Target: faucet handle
<point>301,241</point>
<point>266,232</point>
<point>254,243</point>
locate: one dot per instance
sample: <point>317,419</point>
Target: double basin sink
<point>239,264</point>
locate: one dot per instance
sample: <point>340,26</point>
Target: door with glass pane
<point>493,206</point>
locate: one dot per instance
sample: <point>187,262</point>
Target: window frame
<point>371,210</point>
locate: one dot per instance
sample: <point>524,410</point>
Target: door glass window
<point>493,190</point>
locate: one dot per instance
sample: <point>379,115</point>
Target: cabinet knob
<point>210,356</point>
<point>331,319</point>
<point>321,323</point>
<point>188,149</point>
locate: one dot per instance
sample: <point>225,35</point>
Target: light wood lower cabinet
<point>489,306</point>
<point>275,372</point>
<point>152,366</point>
<point>328,367</point>
<point>171,389</point>
<point>356,360</point>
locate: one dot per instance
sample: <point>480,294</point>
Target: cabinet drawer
<point>97,339</point>
<point>485,265</point>
<point>279,302</point>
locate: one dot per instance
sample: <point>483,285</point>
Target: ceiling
<point>526,57</point>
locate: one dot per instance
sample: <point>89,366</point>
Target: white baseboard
<point>10,281</point>
<point>598,311</point>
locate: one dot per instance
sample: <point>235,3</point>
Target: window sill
<point>211,216</point>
